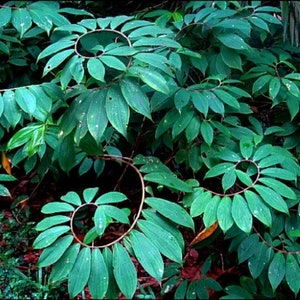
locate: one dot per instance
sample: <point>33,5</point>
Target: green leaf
<point>111,197</point>
<point>260,83</point>
<point>229,155</point>
<point>116,213</point>
<point>244,177</point>
<point>72,198</point>
<point>229,179</point>
<point>72,28</point>
<point>168,180</point>
<point>233,41</point>
<point>259,23</point>
<point>152,78</point>
<point>159,41</point>
<point>279,187</point>
<point>113,62</point>
<point>200,201</point>
<point>259,260</point>
<point>166,122</point>
<point>172,211</point>
<point>49,236</point>
<point>51,221</point>
<point>292,273</point>
<point>96,116</point>
<point>100,220</point>
<point>90,236</point>
<point>122,51</point>
<point>5,15</point>
<point>194,158</point>
<point>53,253</point>
<point>4,191</point>
<point>40,20</point>
<point>272,198</point>
<point>151,259</point>
<point>279,173</point>
<point>224,216</point>
<point>248,247</point>
<point>80,272</point>
<point>89,194</point>
<point>274,87</point>
<point>291,87</point>
<point>227,98</point>
<point>117,110</point>
<point>21,20</point>
<point>201,101</point>
<point>76,69</point>
<point>231,58</point>
<point>210,211</point>
<point>11,110</point>
<point>207,132</point>
<point>135,97</point>
<point>258,208</point>
<point>182,121</point>
<point>181,99</point>
<point>66,152</point>
<point>262,152</point>
<point>56,207</point>
<point>276,270</point>
<point>98,280</point>
<point>219,169</point>
<point>124,271</point>
<point>241,213</point>
<point>246,147</point>
<point>181,290</point>
<point>56,60</point>
<point>26,100</point>
<point>162,239</point>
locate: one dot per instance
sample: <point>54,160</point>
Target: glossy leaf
<point>98,280</point>
<point>51,221</point>
<point>207,132</point>
<point>258,208</point>
<point>241,213</point>
<point>274,87</point>
<point>49,236</point>
<point>5,15</point>
<point>276,270</point>
<point>246,147</point>
<point>150,259</point>
<point>162,239</point>
<point>64,265</point>
<point>233,41</point>
<point>259,260</point>
<point>278,173</point>
<point>120,215</point>
<point>113,62</point>
<point>248,247</point>
<point>100,220</point>
<point>55,47</point>
<point>201,199</point>
<point>11,110</point>
<point>182,121</point>
<point>135,97</point>
<point>53,253</point>
<point>272,198</point>
<point>111,197</point>
<point>210,211</point>
<point>80,273</point>
<point>89,194</point>
<point>219,169</point>
<point>292,273</point>
<point>231,58</point>
<point>123,268</point>
<point>224,216</point>
<point>21,20</point>
<point>229,179</point>
<point>172,211</point>
<point>72,198</point>
<point>57,207</point>
<point>26,100</point>
<point>227,98</point>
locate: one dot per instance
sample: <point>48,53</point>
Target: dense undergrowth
<point>171,139</point>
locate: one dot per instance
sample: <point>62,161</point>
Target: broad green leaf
<point>66,152</point>
<point>76,69</point>
<point>26,100</point>
<point>279,173</point>
<point>158,41</point>
<point>274,87</point>
<point>228,180</point>
<point>219,169</point>
<point>260,83</point>
<point>168,180</point>
<point>181,99</point>
<point>53,253</point>
<point>200,201</point>
<point>272,198</point>
<point>163,240</point>
<point>1,105</point>
<point>72,28</point>
<point>246,147</point>
<point>259,23</point>
<point>227,98</point>
<point>262,152</point>
<point>51,221</point>
<point>248,247</point>
<point>231,58</point>
<point>98,280</point>
<point>229,155</point>
<point>232,40</point>
<point>207,132</point>
<point>113,62</point>
<point>195,159</point>
<point>4,191</point>
<point>278,187</point>
<point>210,211</point>
<point>259,260</point>
<point>41,20</point>
<point>5,15</point>
<point>100,220</point>
<point>96,116</point>
<point>11,110</point>
<point>56,207</point>
<point>182,121</point>
<point>90,236</point>
<point>181,290</point>
<point>49,236</point>
<point>201,101</point>
<point>152,78</point>
<point>135,97</point>
<point>122,51</point>
<point>258,208</point>
<point>64,265</point>
<point>224,216</point>
<point>271,160</point>
<point>89,194</point>
<point>244,177</point>
<point>171,211</point>
<point>293,105</point>
<point>124,271</point>
<point>21,20</point>
<point>72,198</point>
<point>151,259</point>
<point>166,122</point>
<point>111,197</point>
<point>117,110</point>
<point>241,213</point>
<point>149,30</point>
<point>56,60</point>
<point>292,273</point>
<point>276,270</point>
<point>291,87</point>
<point>80,273</point>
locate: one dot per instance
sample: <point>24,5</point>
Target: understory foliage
<point>200,103</point>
